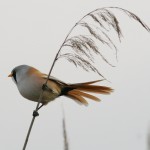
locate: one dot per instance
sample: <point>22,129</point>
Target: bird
<point>29,82</point>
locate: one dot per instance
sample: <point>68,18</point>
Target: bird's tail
<point>80,91</point>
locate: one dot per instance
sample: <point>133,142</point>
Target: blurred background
<point>31,33</point>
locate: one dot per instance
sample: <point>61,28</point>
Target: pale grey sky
<point>31,33</point>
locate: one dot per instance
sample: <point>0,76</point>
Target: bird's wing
<point>51,78</point>
<point>54,85</point>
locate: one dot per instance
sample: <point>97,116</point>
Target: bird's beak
<point>10,75</point>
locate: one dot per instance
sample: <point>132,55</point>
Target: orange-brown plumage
<point>77,91</point>
<point>30,81</point>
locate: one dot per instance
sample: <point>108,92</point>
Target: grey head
<point>18,72</point>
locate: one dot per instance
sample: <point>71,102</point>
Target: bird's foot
<point>35,113</point>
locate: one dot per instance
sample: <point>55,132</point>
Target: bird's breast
<point>31,89</point>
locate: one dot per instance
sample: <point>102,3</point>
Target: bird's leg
<point>40,106</point>
<point>45,87</point>
<point>35,112</point>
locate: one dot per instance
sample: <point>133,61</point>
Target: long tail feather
<point>96,89</point>
<point>87,83</point>
<point>75,91</point>
<point>77,97</point>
